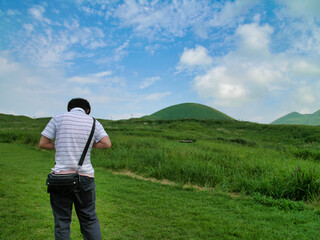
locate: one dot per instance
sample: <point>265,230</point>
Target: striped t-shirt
<point>71,131</point>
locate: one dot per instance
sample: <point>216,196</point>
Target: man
<point>71,131</point>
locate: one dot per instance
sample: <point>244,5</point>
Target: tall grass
<point>24,137</point>
<point>232,167</point>
<point>234,156</point>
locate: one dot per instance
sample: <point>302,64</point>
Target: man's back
<point>71,131</point>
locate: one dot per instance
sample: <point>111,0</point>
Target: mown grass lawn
<point>136,209</point>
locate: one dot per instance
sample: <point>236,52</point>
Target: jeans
<point>84,202</point>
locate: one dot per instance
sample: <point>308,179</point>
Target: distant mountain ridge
<point>188,111</point>
<point>300,119</point>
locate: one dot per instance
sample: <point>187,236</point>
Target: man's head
<point>81,103</point>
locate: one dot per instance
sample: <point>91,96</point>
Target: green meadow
<point>235,180</point>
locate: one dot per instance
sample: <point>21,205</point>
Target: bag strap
<point>87,144</point>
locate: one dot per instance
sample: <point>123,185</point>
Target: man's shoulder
<point>73,116</point>
<point>59,115</point>
<point>81,118</point>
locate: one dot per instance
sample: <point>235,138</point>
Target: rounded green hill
<point>300,119</point>
<point>188,111</point>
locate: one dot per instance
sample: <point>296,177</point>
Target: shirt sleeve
<point>50,129</point>
<point>99,132</point>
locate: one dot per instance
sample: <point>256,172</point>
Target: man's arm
<point>46,143</point>
<point>103,143</point>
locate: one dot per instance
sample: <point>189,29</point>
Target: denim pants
<point>84,202</point>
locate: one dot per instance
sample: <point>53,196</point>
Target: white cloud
<point>91,11</point>
<point>149,81</point>
<point>80,91</point>
<point>254,39</point>
<point>223,87</point>
<point>29,28</point>
<point>304,67</point>
<point>88,37</point>
<point>152,48</point>
<point>71,24</point>
<point>95,78</point>
<point>300,28</point>
<point>306,9</point>
<point>7,67</point>
<point>52,47</point>
<point>30,89</point>
<point>103,74</point>
<point>83,80</point>
<point>121,51</point>
<point>307,38</point>
<point>25,89</point>
<point>305,95</point>
<point>11,12</point>
<point>160,18</point>
<point>37,13</point>
<point>157,96</point>
<point>175,18</point>
<point>247,74</point>
<point>196,57</point>
<point>231,11</point>
<point>305,98</point>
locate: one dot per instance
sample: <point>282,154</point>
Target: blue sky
<point>255,60</point>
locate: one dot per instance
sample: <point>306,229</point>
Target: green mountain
<point>188,111</point>
<point>300,119</point>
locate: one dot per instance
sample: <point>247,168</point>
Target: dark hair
<point>81,103</point>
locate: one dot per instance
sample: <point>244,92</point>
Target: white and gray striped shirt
<point>71,131</point>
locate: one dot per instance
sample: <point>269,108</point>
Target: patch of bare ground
<point>168,182</point>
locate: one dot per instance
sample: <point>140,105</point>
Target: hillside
<point>300,119</point>
<point>188,111</point>
<point>10,118</point>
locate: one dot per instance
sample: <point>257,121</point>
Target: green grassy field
<point>136,209</point>
<point>273,170</point>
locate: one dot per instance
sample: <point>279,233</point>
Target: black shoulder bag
<point>68,183</point>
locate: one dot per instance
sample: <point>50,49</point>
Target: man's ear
<point>69,109</point>
<point>87,111</point>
